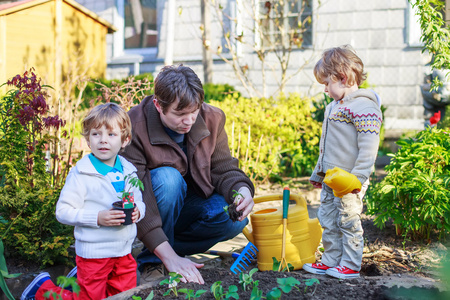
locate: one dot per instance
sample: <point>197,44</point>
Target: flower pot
<point>128,211</point>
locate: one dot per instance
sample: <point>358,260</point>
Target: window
<point>140,24</point>
<point>413,28</point>
<point>285,23</point>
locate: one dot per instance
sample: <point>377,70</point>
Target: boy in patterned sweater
<point>350,138</point>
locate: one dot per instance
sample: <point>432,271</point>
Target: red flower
<point>435,118</point>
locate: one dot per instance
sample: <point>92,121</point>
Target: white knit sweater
<point>350,135</point>
<point>85,193</point>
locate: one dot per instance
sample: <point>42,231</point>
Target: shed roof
<point>12,7</point>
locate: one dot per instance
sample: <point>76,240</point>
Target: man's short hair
<point>107,114</point>
<point>178,83</point>
<point>340,62</point>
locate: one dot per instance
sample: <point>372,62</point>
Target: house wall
<point>378,30</point>
<point>106,9</point>
<point>29,44</point>
<point>83,43</point>
<point>28,39</point>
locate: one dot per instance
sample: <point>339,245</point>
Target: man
<point>180,149</point>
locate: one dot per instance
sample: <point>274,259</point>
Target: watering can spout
<point>248,234</point>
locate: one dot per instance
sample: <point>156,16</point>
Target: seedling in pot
<point>127,197</point>
<point>231,209</point>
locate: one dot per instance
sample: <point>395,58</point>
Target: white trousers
<point>342,235</point>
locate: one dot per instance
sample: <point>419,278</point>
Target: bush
<point>217,91</point>
<point>96,88</point>
<point>415,194</point>
<point>28,188</point>
<point>272,137</point>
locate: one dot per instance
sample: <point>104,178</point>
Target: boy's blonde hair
<point>338,63</point>
<point>106,114</point>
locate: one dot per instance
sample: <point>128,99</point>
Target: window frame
<point>148,51</point>
<point>274,32</point>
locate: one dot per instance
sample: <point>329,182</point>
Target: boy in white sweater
<point>105,266</point>
<point>350,138</point>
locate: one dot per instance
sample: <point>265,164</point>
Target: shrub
<point>102,89</point>
<point>28,188</point>
<point>415,193</point>
<point>272,137</point>
<point>217,91</point>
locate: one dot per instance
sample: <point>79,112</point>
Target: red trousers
<point>97,278</point>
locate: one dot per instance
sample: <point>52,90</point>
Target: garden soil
<point>392,268</point>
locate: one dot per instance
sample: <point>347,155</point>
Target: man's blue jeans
<point>192,224</point>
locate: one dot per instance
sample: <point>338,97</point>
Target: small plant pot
<point>128,211</point>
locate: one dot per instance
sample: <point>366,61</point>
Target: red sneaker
<point>317,268</point>
<point>342,272</point>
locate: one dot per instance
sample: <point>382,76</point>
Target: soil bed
<point>392,268</point>
<point>386,259</point>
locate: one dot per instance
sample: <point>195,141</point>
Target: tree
<point>435,34</point>
<point>271,29</point>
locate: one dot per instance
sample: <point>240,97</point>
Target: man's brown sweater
<point>208,160</point>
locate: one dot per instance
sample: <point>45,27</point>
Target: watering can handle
<point>286,195</point>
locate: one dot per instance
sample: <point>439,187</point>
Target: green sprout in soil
<point>149,297</point>
<point>191,294</point>
<point>246,280</point>
<point>219,293</point>
<point>172,282</point>
<point>310,282</point>
<point>276,266</point>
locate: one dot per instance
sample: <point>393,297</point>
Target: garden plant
<point>414,194</point>
<point>272,137</point>
<point>31,176</point>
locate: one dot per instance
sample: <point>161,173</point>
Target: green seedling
<point>256,294</point>
<point>286,284</point>
<point>219,293</point>
<point>127,197</point>
<point>231,210</point>
<point>246,280</point>
<point>235,194</point>
<point>274,294</point>
<point>310,282</point>
<point>64,282</point>
<point>276,266</point>
<point>191,294</point>
<point>172,283</point>
<point>149,297</point>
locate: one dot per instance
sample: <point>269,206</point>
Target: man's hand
<point>110,217</point>
<point>245,202</point>
<point>316,184</point>
<point>183,266</point>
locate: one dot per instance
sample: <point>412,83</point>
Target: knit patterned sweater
<point>350,136</point>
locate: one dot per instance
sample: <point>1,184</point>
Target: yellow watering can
<point>342,182</point>
<point>302,233</point>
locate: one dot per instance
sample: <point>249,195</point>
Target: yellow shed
<point>52,36</point>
